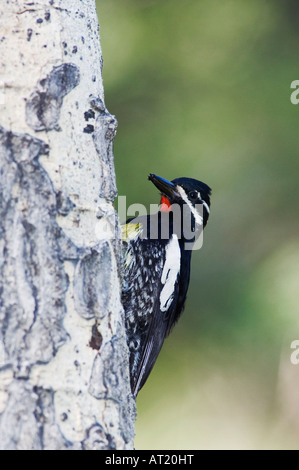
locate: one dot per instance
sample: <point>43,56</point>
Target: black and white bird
<point>157,257</point>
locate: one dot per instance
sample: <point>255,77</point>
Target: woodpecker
<point>157,257</point>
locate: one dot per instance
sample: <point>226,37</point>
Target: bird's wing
<point>157,332</point>
<point>150,295</point>
<point>131,233</point>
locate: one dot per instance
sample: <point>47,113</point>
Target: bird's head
<point>185,192</point>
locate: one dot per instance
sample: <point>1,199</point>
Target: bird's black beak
<point>165,187</point>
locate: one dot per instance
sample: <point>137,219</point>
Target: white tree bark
<point>64,380</point>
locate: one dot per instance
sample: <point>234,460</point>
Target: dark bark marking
<point>63,204</point>
<point>44,413</point>
<point>90,114</point>
<point>98,439</point>
<point>92,282</point>
<point>29,34</point>
<point>28,420</point>
<point>44,103</point>
<point>89,129</point>
<point>103,137</point>
<point>97,104</point>
<point>96,338</point>
<point>33,282</point>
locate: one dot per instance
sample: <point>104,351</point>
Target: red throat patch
<point>165,204</point>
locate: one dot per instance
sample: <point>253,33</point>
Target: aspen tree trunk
<point>64,380</point>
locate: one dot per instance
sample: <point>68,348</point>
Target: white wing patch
<point>170,272</point>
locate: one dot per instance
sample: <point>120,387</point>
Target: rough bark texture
<point>64,381</point>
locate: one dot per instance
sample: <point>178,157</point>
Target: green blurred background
<point>202,89</point>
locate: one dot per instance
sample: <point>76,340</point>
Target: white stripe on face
<point>206,206</point>
<point>197,216</point>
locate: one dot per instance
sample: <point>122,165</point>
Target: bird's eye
<point>193,195</point>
